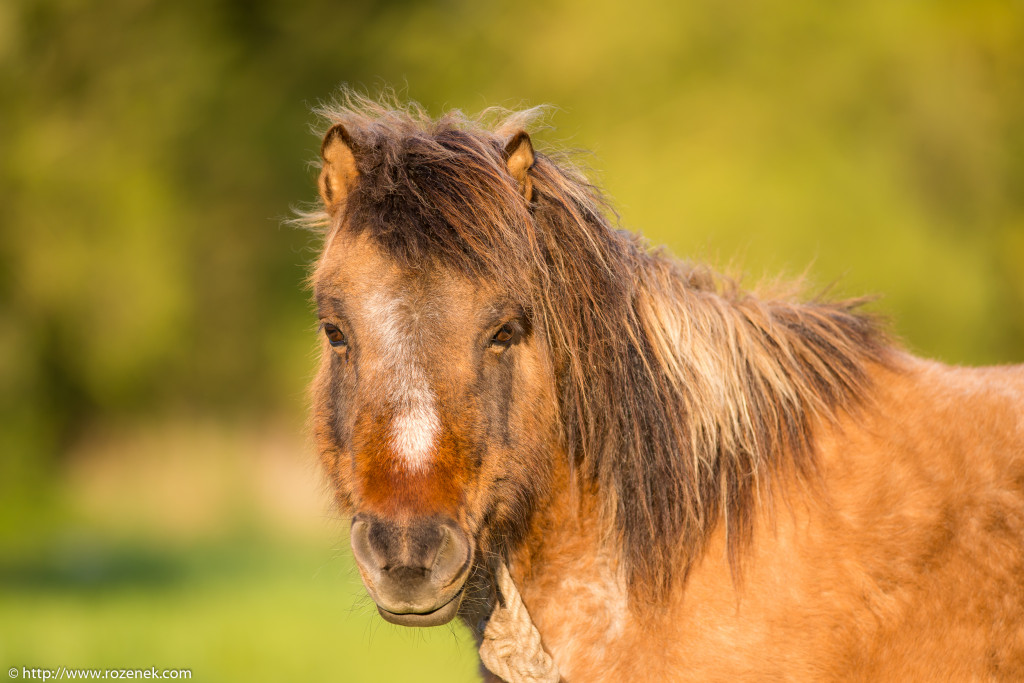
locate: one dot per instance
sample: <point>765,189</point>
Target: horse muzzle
<point>415,572</point>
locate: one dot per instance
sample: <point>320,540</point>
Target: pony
<point>679,478</point>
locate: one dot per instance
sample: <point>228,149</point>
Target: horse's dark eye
<point>335,336</point>
<point>504,336</point>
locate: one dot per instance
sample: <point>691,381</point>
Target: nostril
<point>362,547</point>
<point>452,555</point>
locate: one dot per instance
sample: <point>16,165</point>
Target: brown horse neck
<point>571,533</point>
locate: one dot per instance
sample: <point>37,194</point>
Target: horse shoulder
<point>925,486</point>
<point>906,561</point>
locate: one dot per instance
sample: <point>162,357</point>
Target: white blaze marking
<point>415,424</point>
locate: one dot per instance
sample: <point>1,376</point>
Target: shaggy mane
<point>681,395</point>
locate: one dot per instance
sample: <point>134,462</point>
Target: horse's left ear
<point>339,170</point>
<point>519,160</point>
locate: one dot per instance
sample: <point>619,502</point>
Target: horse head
<point>434,408</point>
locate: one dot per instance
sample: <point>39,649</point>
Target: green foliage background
<point>150,150</point>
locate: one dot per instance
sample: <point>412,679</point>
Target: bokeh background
<point>159,505</point>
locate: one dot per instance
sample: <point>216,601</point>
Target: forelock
<point>436,191</point>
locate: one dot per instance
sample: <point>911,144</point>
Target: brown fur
<point>627,452</point>
<point>911,569</point>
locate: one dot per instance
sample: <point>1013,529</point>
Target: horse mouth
<point>435,617</point>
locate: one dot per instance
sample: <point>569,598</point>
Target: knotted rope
<point>511,648</point>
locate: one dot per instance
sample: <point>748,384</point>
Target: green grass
<point>249,610</point>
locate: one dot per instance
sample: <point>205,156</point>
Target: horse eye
<point>504,336</point>
<point>335,336</point>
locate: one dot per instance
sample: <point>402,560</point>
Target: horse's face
<point>434,416</point>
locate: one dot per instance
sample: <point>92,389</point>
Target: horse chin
<point>437,617</point>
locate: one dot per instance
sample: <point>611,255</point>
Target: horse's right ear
<point>339,171</point>
<point>519,160</point>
